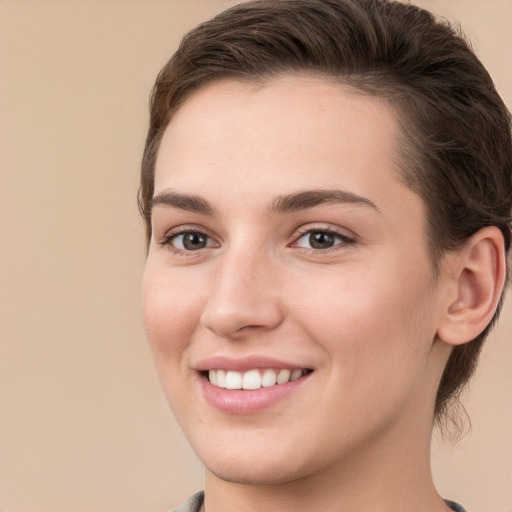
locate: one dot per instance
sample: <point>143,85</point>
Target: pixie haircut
<point>455,147</point>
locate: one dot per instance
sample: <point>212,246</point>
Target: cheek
<point>369,323</point>
<point>170,319</point>
<point>169,315</point>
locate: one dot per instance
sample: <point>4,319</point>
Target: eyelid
<point>346,238</point>
<point>171,234</point>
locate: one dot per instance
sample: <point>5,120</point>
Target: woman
<point>327,193</point>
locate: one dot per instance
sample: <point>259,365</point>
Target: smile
<point>249,385</point>
<point>253,379</point>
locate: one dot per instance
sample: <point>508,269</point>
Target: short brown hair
<point>456,144</point>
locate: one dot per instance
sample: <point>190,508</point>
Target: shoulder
<point>193,504</point>
<point>455,506</point>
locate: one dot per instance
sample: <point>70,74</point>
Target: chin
<point>246,472</point>
<point>254,463</point>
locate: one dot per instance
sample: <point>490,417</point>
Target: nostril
<point>240,304</point>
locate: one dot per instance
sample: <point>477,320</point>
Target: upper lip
<point>246,363</point>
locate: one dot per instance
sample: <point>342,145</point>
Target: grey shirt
<point>193,504</point>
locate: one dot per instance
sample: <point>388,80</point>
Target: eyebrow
<point>311,198</point>
<point>281,204</point>
<point>188,202</point>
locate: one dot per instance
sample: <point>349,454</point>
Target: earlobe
<point>477,280</point>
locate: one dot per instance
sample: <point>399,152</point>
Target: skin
<point>364,314</point>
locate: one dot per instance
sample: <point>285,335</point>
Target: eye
<point>189,241</point>
<point>319,239</point>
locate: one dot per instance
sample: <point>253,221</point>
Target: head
<point>455,145</point>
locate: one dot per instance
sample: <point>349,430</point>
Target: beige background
<point>83,425</point>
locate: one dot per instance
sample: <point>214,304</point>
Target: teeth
<point>296,374</point>
<point>220,378</point>
<point>252,379</point>
<point>269,378</point>
<point>284,376</point>
<point>233,380</point>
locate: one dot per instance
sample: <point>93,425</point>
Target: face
<point>288,259</point>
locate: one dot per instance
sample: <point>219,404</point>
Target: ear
<point>476,280</point>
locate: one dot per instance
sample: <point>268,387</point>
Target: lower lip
<point>236,401</point>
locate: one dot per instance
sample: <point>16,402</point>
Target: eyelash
<point>171,236</point>
<point>343,240</point>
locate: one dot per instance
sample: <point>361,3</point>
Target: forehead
<point>301,108</point>
<point>282,136</point>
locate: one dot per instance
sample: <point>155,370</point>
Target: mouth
<point>254,378</point>
<point>251,384</point>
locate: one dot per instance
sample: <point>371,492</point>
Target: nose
<point>244,296</point>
